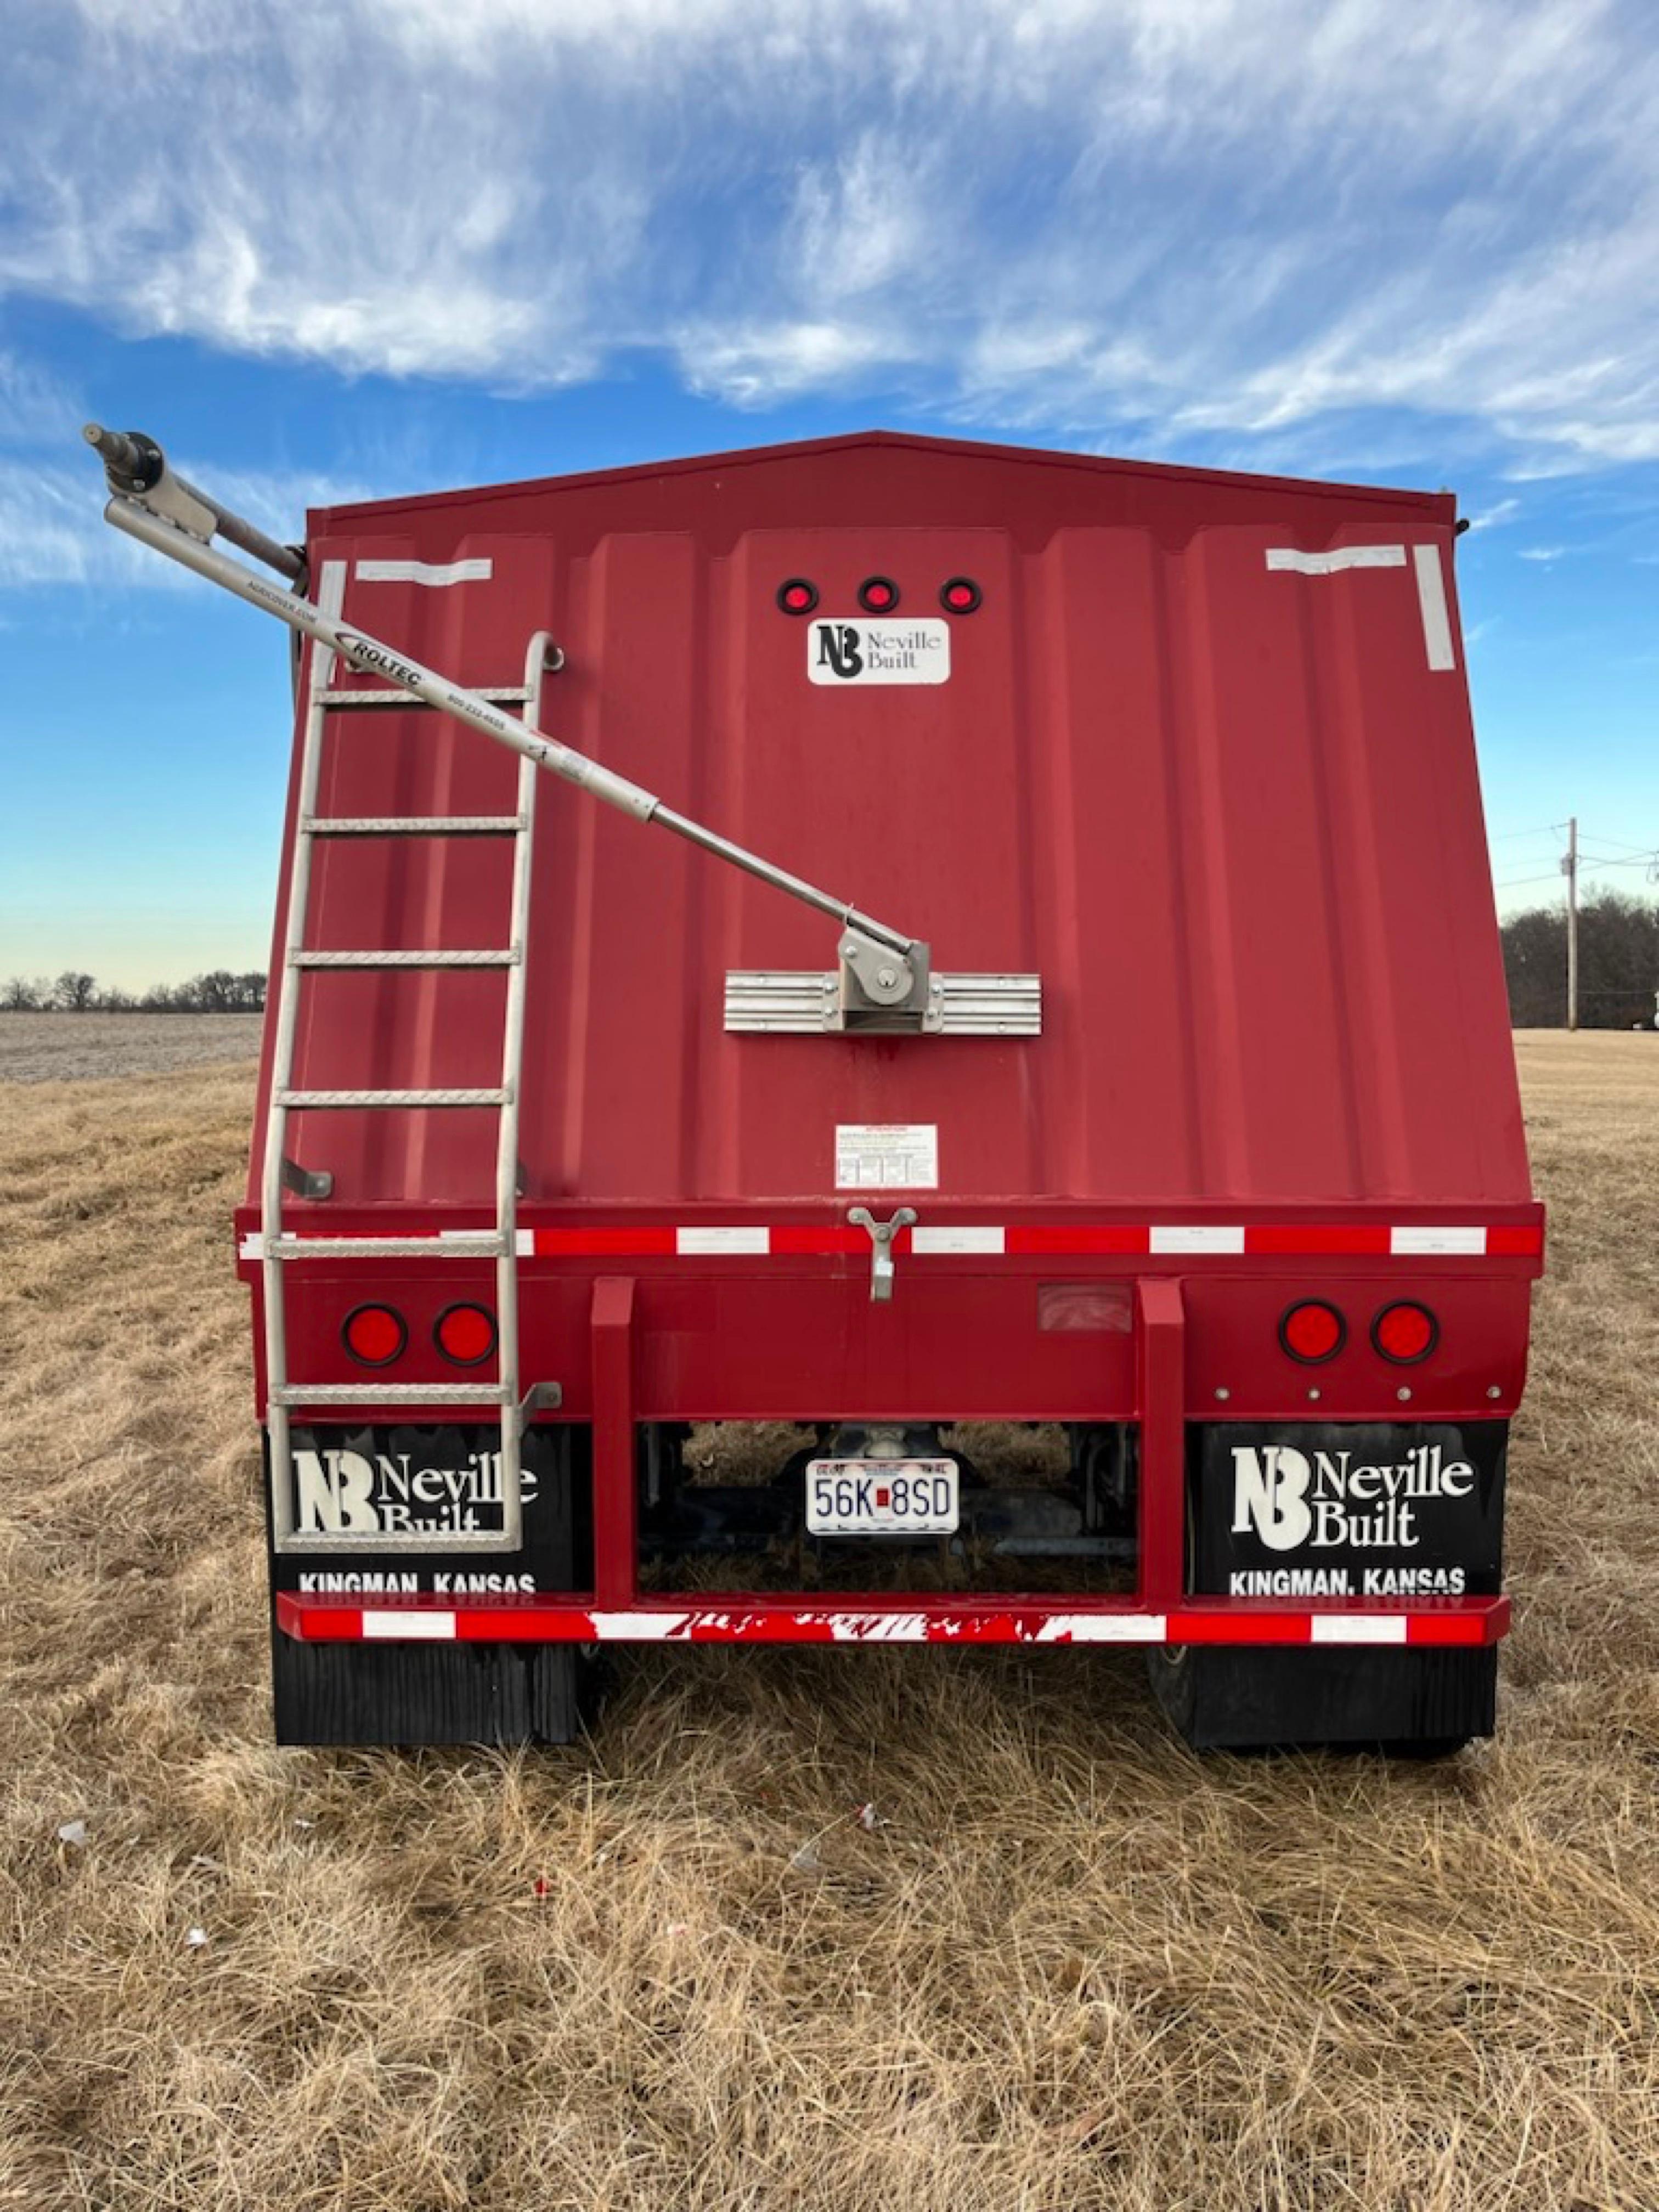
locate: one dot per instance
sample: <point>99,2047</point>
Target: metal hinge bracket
<point>882,1234</point>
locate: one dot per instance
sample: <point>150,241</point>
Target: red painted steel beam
<point>615,1484</point>
<point>1161,1353</point>
<point>805,1619</point>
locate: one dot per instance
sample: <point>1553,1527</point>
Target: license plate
<point>881,1497</point>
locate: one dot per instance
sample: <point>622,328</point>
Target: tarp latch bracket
<point>882,1234</point>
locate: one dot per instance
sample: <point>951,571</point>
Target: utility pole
<point>1570,869</point>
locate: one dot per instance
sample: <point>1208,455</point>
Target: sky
<point>350,248</point>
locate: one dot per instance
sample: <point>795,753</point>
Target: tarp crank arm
<point>884,972</point>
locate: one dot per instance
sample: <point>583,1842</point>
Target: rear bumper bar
<point>873,1621</point>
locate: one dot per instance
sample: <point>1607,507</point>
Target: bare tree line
<point>1619,973</point>
<point>1617,964</point>
<point>74,992</point>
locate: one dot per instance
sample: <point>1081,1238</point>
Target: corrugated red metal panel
<point>1227,807</point>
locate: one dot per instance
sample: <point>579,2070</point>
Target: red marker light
<point>878,595</point>
<point>796,596</point>
<point>1405,1332</point>
<point>375,1335</point>
<point>465,1334</point>
<point>1313,1332</point>
<point>960,595</point>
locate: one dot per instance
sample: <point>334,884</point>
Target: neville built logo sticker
<point>1357,1509</point>
<point>866,651</point>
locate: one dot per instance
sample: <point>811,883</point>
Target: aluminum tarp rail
<point>801,1003</point>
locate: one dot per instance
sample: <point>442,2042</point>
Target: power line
<point>1619,844</point>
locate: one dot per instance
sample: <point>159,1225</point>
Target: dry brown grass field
<point>1074,1965</point>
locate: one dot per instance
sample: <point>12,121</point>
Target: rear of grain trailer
<point>1146,1075</point>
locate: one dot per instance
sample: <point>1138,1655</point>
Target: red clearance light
<point>1313,1332</point>
<point>878,595</point>
<point>1405,1332</point>
<point>374,1335</point>
<point>796,596</point>
<point>465,1334</point>
<point>959,595</point>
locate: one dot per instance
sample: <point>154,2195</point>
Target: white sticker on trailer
<point>887,1156</point>
<point>438,573</point>
<point>843,650</point>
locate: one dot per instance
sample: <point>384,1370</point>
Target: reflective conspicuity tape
<point>1432,1243</point>
<point>958,1239</point>
<point>1180,1237</point>
<point>1431,584</point>
<point>1432,598</point>
<point>536,1620</point>
<point>383,1625</point>
<point>691,1242</point>
<point>423,572</point>
<point>1341,556</point>
<point>1257,1240</point>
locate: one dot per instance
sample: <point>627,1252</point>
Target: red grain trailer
<point>1145,1074</point>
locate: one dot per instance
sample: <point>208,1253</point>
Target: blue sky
<point>350,247</point>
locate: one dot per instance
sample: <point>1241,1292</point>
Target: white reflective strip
<point>406,1628</point>
<point>523,1242</point>
<point>1344,557</point>
<point>957,1240</point>
<point>640,1627</point>
<point>253,1246</point>
<point>1402,1243</point>
<point>1356,1628</point>
<point>1103,1628</point>
<point>1432,598</point>
<point>424,572</point>
<point>1189,1238</point>
<point>691,1241</point>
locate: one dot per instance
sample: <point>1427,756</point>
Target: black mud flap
<point>1400,1513</point>
<point>429,1693</point>
<point>433,1691</point>
<point>1417,1703</point>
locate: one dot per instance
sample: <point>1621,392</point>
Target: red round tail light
<point>1405,1332</point>
<point>796,596</point>
<point>1313,1332</point>
<point>465,1334</point>
<point>374,1335</point>
<point>959,595</point>
<point>878,595</point>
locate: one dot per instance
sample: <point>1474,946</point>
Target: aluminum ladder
<point>278,1246</point>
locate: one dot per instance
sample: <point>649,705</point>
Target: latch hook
<point>882,1234</point>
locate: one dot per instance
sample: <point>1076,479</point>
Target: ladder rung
<point>371,959</point>
<point>391,1098</point>
<point>484,1244</point>
<point>413,825</point>
<point>499,695</point>
<point>391,1394</point>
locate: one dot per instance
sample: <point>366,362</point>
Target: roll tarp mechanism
<point>884,985</point>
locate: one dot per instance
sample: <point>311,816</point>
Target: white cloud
<point>1547,554</point>
<point>1491,518</point>
<point>52,529</point>
<point>1125,220</point>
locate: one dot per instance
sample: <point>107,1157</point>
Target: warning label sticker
<point>887,1156</point>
